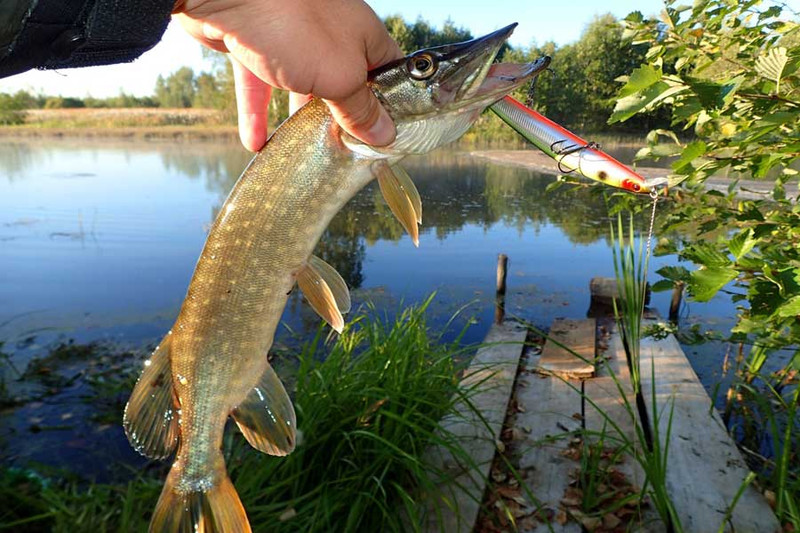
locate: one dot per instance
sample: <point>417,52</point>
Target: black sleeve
<point>82,33</point>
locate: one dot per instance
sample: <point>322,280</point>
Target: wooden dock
<point>564,393</point>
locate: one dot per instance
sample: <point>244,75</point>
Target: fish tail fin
<point>217,509</point>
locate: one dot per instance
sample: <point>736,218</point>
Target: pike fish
<point>213,362</point>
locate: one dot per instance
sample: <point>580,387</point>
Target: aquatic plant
<point>650,451</point>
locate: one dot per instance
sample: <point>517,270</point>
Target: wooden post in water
<point>675,303</point>
<point>500,296</point>
<point>502,266</point>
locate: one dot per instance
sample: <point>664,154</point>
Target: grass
<point>368,406</point>
<point>649,449</point>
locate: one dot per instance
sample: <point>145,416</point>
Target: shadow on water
<point>147,207</point>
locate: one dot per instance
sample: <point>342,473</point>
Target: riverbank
<point>123,123</point>
<point>535,160</point>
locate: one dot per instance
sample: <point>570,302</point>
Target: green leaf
<point>674,273</point>
<point>771,64</point>
<point>641,78</point>
<point>662,285</point>
<point>705,254</point>
<point>690,153</point>
<point>706,282</point>
<point>790,308</point>
<point>742,243</point>
<point>715,95</point>
<point>630,105</point>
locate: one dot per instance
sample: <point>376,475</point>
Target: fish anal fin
<point>266,417</point>
<point>320,296</point>
<point>401,196</point>
<point>217,509</point>
<point>150,419</point>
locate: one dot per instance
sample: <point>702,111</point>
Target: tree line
<point>579,92</point>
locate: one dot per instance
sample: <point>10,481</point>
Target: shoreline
<point>746,189</point>
<point>136,133</point>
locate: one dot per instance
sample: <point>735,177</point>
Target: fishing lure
<point>572,153</point>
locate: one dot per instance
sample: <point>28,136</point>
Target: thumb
<point>363,117</point>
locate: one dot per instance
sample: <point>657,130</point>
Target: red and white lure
<point>572,153</point>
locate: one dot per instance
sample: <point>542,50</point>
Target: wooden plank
<point>704,469</point>
<point>454,505</point>
<point>605,393</point>
<point>549,405</point>
<point>578,336</point>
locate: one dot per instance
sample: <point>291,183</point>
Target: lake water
<point>98,241</point>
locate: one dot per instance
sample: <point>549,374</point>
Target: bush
<point>11,110</point>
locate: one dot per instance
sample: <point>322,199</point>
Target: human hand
<point>312,47</point>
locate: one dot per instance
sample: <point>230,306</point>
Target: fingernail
<point>382,132</point>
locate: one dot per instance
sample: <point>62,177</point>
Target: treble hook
<point>561,153</point>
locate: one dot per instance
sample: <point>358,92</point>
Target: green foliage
<point>177,89</point>
<point>580,91</point>
<point>728,74</point>
<point>733,81</point>
<point>412,37</point>
<point>63,102</point>
<point>11,110</point>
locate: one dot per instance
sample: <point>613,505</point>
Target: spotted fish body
<point>213,363</point>
<point>241,283</point>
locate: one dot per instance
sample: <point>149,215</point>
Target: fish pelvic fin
<point>401,196</point>
<point>217,509</point>
<point>266,417</point>
<point>150,419</point>
<point>325,290</point>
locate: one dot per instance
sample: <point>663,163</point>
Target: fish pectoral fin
<point>325,291</point>
<point>401,196</point>
<point>150,419</point>
<point>266,416</point>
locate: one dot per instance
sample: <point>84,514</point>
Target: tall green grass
<point>649,449</point>
<point>368,406</point>
<point>366,415</point>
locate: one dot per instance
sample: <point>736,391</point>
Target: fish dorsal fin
<point>266,416</point>
<point>401,196</point>
<point>325,291</point>
<point>150,419</point>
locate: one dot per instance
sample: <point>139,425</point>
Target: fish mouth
<point>472,76</point>
<point>502,78</point>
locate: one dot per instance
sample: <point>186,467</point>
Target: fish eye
<point>636,187</point>
<point>422,66</point>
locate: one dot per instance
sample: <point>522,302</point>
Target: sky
<point>539,22</point>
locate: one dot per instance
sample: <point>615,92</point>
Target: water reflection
<point>108,252</point>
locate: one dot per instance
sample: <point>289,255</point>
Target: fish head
<point>434,95</point>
